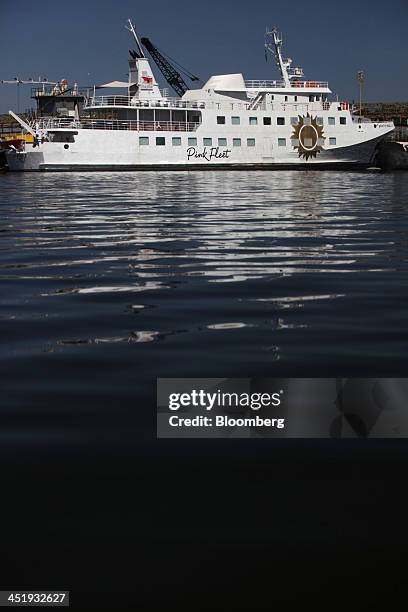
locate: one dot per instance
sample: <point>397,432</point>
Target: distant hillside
<point>386,111</point>
<point>7,121</point>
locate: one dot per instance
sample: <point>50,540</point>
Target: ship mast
<point>139,48</point>
<point>273,44</point>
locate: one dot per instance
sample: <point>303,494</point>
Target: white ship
<point>230,123</point>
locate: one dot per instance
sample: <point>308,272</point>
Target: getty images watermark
<point>218,408</point>
<point>282,408</point>
<point>219,399</point>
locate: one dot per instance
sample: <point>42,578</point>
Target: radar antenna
<point>273,44</point>
<point>17,81</point>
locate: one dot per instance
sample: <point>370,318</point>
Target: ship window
<point>236,142</point>
<point>160,141</point>
<point>280,120</point>
<point>319,120</point>
<point>253,121</point>
<point>267,121</point>
<point>143,140</point>
<point>222,142</point>
<point>192,142</point>
<point>220,120</point>
<point>286,98</point>
<point>235,120</point>
<point>311,98</point>
<point>281,142</point>
<point>250,142</point>
<point>207,142</point>
<point>295,98</point>
<point>294,120</point>
<point>176,141</point>
<point>332,141</point>
<point>342,121</point>
<point>331,120</point>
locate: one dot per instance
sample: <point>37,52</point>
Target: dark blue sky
<point>86,40</point>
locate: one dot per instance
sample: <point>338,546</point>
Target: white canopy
<point>113,84</point>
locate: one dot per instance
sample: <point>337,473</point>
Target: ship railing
<point>128,101</point>
<point>38,92</point>
<point>168,104</point>
<point>261,84</point>
<point>115,124</point>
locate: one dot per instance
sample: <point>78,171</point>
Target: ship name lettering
<point>207,154</point>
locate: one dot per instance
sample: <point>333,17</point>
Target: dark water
<point>181,274</point>
<point>111,280</point>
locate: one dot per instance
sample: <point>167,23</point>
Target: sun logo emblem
<point>307,137</point>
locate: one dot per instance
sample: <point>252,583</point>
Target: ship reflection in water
<point>110,280</point>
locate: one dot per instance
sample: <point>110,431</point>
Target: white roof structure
<point>114,85</point>
<point>226,82</point>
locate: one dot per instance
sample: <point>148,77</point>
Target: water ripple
<point>217,255</point>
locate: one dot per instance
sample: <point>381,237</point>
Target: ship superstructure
<point>228,123</point>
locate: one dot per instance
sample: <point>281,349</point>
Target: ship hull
<point>103,151</point>
<point>194,168</point>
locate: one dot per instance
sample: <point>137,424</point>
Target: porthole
<point>66,146</point>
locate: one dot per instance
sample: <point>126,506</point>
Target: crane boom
<point>172,76</point>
